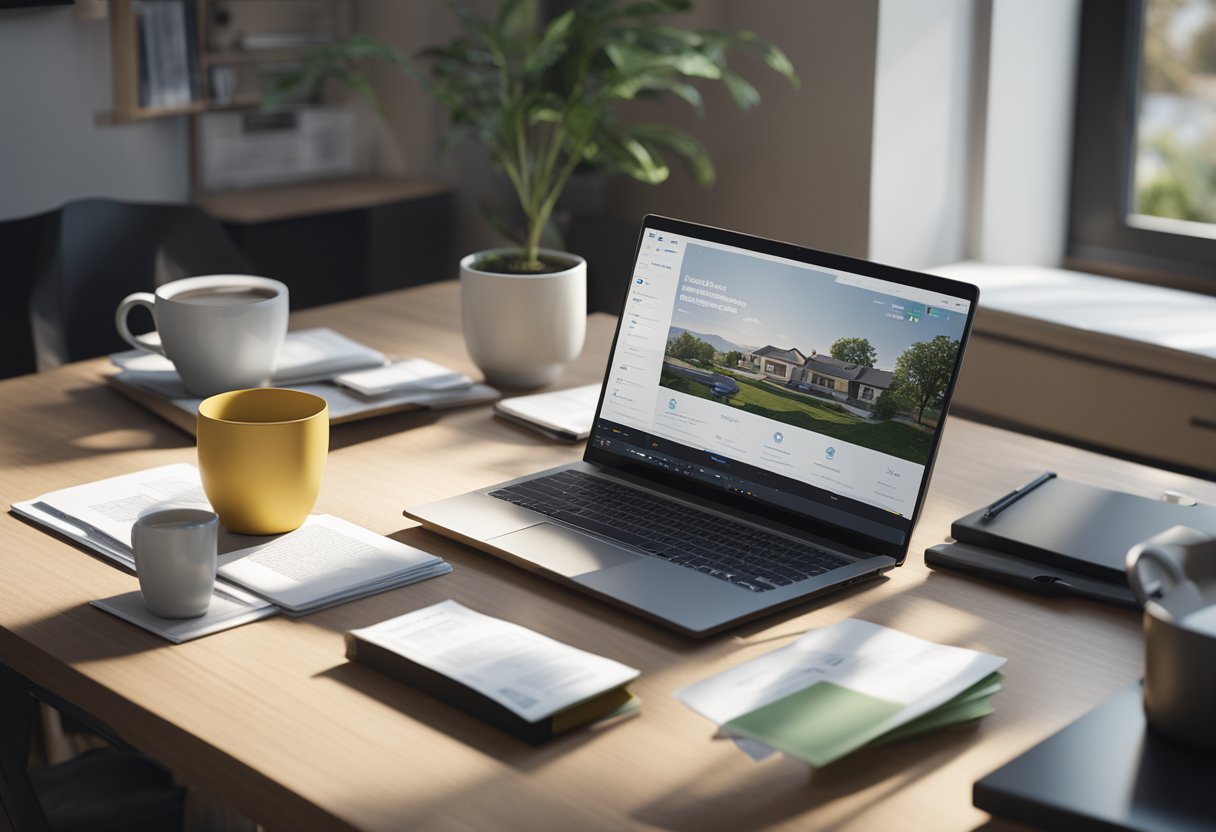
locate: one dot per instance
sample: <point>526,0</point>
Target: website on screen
<point>831,379</point>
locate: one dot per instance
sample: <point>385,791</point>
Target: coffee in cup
<point>222,332</point>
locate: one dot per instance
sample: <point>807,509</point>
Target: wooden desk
<point>270,716</point>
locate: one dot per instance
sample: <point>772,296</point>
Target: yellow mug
<point>261,453</point>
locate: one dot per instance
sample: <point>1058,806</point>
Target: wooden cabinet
<point>336,239</point>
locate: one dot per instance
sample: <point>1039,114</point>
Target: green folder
<point>824,722</point>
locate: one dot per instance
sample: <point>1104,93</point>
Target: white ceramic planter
<point>522,329</point>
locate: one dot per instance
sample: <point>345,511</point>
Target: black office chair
<point>81,260</point>
<point>111,789</point>
<point>18,269</point>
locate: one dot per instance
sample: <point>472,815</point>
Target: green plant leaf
<point>650,8</point>
<point>517,18</point>
<point>631,59</point>
<point>691,152</point>
<point>741,90</point>
<point>633,158</point>
<point>630,88</point>
<point>552,44</point>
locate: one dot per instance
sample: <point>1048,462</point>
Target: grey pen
<point>1017,494</point>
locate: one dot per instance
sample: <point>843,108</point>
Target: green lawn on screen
<point>899,439</point>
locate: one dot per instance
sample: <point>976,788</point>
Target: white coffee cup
<point>522,329</point>
<point>222,332</point>
<point>175,560</point>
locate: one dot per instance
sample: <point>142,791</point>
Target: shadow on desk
<point>111,428</point>
<point>460,725</point>
<point>775,791</point>
<point>85,634</point>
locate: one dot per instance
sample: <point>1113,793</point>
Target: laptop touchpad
<point>561,550</point>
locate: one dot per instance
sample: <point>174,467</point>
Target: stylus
<point>1017,494</point>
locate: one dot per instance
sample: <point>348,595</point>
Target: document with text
<point>531,675</point>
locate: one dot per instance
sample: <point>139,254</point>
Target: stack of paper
<point>99,516</point>
<point>230,607</point>
<point>327,561</point>
<point>408,375</point>
<point>307,355</point>
<point>843,687</point>
<point>354,379</point>
<point>562,414</point>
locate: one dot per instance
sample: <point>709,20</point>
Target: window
<point>867,393</point>
<point>1144,153</point>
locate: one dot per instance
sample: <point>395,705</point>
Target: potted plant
<point>543,97</point>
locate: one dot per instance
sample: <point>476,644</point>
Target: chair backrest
<point>19,246</point>
<point>92,253</point>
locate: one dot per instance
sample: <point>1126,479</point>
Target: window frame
<point>1099,237</point>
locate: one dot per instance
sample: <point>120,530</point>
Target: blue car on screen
<point>724,387</point>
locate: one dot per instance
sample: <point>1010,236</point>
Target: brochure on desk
<point>514,678</point>
<point>840,688</point>
<point>312,361</point>
<point>326,561</point>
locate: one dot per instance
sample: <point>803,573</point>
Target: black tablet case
<point>1079,528</point>
<point>1106,771</point>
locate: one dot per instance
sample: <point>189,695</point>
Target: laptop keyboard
<point>722,548</point>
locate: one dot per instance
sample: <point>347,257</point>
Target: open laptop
<point>748,451</point>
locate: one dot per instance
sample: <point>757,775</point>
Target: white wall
<point>797,167</point>
<point>1028,132</point>
<point>54,76</point>
<point>919,194</point>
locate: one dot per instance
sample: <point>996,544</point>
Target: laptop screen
<point>808,382</point>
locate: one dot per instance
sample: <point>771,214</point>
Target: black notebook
<point>1078,527</point>
<point>1108,771</point>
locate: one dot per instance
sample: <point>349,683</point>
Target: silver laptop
<point>765,433</point>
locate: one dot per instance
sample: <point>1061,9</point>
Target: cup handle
<point>140,342</point>
<point>1147,589</point>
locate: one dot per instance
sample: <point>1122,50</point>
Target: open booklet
<point>313,360</point>
<point>308,355</point>
<point>327,561</point>
<point>843,687</point>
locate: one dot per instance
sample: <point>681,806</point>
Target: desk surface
<point>271,717</point>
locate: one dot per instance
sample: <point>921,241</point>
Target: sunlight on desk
<point>124,439</point>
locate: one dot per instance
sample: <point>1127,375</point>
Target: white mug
<point>522,329</point>
<point>175,560</point>
<point>222,332</point>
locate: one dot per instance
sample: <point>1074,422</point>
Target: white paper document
<point>565,414</point>
<point>308,355</point>
<point>530,674</point>
<point>327,561</point>
<point>408,375</point>
<point>100,514</point>
<point>909,675</point>
<point>343,404</point>
<point>230,607</point>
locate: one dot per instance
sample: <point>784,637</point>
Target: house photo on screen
<point>859,366</point>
